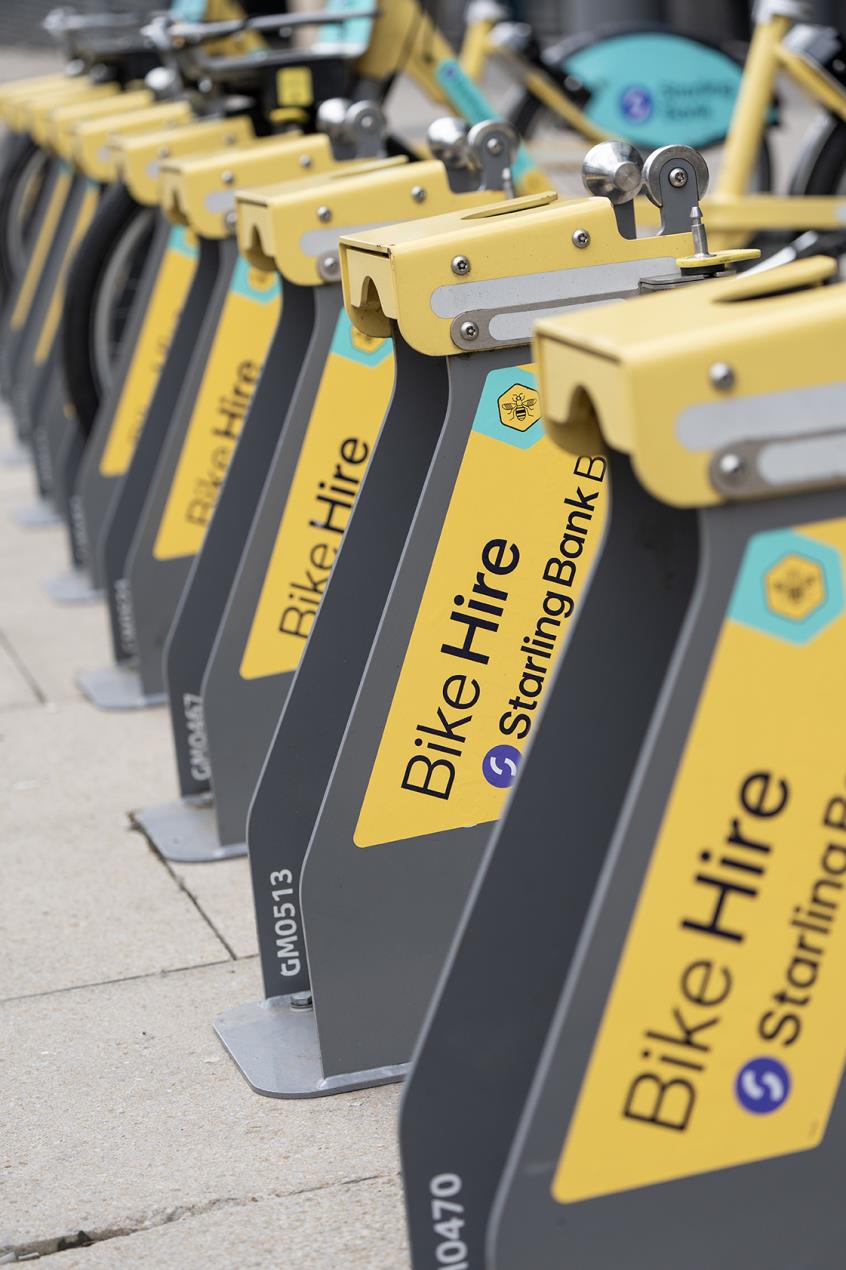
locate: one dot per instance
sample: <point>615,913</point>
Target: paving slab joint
<point>136,826</point>
<point>35,1249</point>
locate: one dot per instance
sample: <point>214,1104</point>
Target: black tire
<point>529,109</point>
<point>24,163</point>
<point>120,227</point>
<point>827,172</point>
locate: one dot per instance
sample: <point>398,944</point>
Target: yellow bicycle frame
<point>731,207</point>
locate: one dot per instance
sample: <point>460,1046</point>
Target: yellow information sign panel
<point>247,322</point>
<point>169,293</point>
<point>348,411</point>
<point>723,1039</point>
<point>515,549</point>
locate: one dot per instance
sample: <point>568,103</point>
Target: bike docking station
<point>199,194</point>
<point>53,127</point>
<point>18,112</point>
<point>85,144</point>
<point>671,1061</point>
<point>389,746</point>
<point>228,664</point>
<point>33,312</point>
<point>93,476</point>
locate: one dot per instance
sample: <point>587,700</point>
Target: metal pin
<point>698,231</point>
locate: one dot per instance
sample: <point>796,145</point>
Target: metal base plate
<point>275,1046</point>
<point>72,587</point>
<point>37,515</point>
<point>15,456</point>
<point>116,688</point>
<point>185,831</point>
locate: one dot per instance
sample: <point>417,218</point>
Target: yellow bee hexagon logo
<point>519,407</point>
<point>364,343</point>
<point>795,587</point>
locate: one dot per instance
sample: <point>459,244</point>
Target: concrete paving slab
<point>92,906</point>
<point>124,1112</point>
<point>55,642</point>
<point>15,688</point>
<point>26,552</point>
<point>82,761</point>
<point>356,1226</point>
<point>52,641</point>
<point>223,891</point>
<point>16,482</point>
<point>91,901</point>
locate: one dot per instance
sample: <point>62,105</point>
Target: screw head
<point>418,193</point>
<point>330,267</point>
<point>230,220</point>
<point>324,214</point>
<point>163,152</point>
<point>722,376</point>
<point>306,160</point>
<point>494,145</point>
<point>731,467</point>
<point>460,265</point>
<point>581,238</point>
<point>469,331</point>
<point>678,178</point>
<point>367,123</point>
<point>227,177</point>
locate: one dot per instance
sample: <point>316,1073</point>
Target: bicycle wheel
<point>559,151</point>
<point>22,179</point>
<point>826,171</point>
<point>102,282</point>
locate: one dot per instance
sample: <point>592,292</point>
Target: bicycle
<point>648,84</point>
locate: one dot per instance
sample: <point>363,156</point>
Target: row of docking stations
<point>486,548</point>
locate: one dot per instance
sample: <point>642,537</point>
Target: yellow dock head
<point>730,389</point>
<point>137,158</point>
<point>36,116</point>
<point>200,191</point>
<point>90,147</point>
<point>478,279</point>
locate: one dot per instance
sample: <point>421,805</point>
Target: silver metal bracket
<point>780,465</point>
<point>675,179</point>
<point>513,304</point>
<point>355,129</point>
